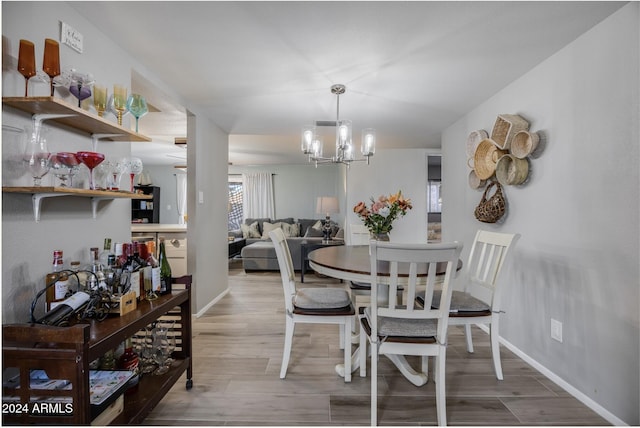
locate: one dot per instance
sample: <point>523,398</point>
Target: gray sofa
<point>259,254</point>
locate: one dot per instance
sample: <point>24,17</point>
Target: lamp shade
<point>327,205</point>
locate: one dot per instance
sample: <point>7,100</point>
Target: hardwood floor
<point>238,349</point>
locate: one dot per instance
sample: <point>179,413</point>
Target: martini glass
<point>65,165</point>
<point>91,160</point>
<point>137,105</point>
<point>134,167</point>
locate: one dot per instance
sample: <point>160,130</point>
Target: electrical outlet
<point>556,330</point>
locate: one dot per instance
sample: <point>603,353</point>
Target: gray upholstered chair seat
<point>460,302</point>
<point>404,327</point>
<point>321,298</point>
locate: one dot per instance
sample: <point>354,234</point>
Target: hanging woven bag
<point>492,209</point>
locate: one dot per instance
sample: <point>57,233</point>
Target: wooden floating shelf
<point>81,119</point>
<point>42,192</point>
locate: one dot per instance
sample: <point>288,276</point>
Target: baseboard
<point>587,401</point>
<point>211,303</point>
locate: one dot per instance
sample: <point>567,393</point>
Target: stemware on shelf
<point>148,362</point>
<point>80,86</point>
<point>117,169</point>
<point>91,160</point>
<point>137,105</point>
<point>100,99</point>
<point>102,175</point>
<point>134,167</point>
<point>37,157</point>
<point>120,101</point>
<point>27,62</point>
<point>51,60</point>
<point>65,165</point>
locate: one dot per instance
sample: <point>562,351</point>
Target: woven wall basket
<point>474,139</point>
<point>505,128</point>
<point>474,181</point>
<point>524,143</point>
<point>486,157</point>
<point>512,171</point>
<point>491,209</point>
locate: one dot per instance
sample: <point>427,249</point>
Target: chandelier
<point>312,142</point>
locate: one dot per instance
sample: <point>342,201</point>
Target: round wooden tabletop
<point>352,263</point>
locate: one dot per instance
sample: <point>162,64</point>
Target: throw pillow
<point>313,233</point>
<point>290,230</point>
<point>268,227</point>
<point>318,225</point>
<point>250,231</point>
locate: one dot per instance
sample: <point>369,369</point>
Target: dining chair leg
<point>288,340</point>
<point>346,329</point>
<point>374,383</point>
<point>342,335</point>
<point>363,353</point>
<point>441,404</point>
<point>495,347</point>
<point>467,335</point>
<point>425,365</point>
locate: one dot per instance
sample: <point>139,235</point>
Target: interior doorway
<point>434,197</point>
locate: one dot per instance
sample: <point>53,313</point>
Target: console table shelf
<point>80,119</point>
<point>65,353</point>
<point>40,193</point>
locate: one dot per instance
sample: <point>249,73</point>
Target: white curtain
<point>181,196</point>
<point>257,195</point>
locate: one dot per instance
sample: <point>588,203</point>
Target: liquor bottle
<point>130,277</point>
<point>139,254</point>
<point>76,281</point>
<point>110,274</point>
<point>165,270</point>
<point>65,309</point>
<point>97,279</point>
<point>106,251</point>
<point>155,267</point>
<point>129,360</point>
<point>56,293</point>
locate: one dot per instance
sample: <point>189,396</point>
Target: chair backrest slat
<point>488,253</point>
<point>405,263</point>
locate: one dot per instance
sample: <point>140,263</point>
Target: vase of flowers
<point>380,215</point>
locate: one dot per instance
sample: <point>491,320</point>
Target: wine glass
<point>100,99</point>
<point>134,166</point>
<point>27,62</point>
<point>120,101</point>
<point>65,165</point>
<point>51,60</point>
<point>137,105</point>
<point>117,169</point>
<point>91,160</point>
<point>81,86</point>
<point>37,156</point>
<point>163,345</point>
<point>148,363</point>
<point>102,175</point>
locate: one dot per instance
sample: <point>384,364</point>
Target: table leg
<point>355,363</point>
<point>303,262</point>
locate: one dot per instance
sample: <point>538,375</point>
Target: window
<point>235,203</point>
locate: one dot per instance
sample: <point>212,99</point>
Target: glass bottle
<point>155,268</point>
<point>129,360</point>
<point>106,251</point>
<point>57,292</point>
<point>165,270</point>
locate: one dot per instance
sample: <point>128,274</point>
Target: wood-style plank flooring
<point>238,349</point>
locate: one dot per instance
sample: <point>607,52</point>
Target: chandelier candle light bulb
<point>312,143</point>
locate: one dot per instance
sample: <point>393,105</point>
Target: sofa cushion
<point>250,230</point>
<point>260,249</point>
<point>313,233</point>
<point>306,223</point>
<point>288,220</point>
<point>289,230</point>
<point>259,220</point>
<point>321,298</point>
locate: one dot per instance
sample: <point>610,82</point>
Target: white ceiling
<point>262,70</point>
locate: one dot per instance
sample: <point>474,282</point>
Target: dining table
<point>352,263</point>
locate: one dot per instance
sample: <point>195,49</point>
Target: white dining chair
<point>397,330</point>
<point>481,300</point>
<point>318,305</point>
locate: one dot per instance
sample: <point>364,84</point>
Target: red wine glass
<point>91,160</point>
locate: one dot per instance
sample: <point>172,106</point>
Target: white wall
<point>164,177</point>
<point>296,187</point>
<point>578,258</point>
<point>66,223</point>
<point>390,171</point>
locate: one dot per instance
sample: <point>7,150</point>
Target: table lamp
<point>327,205</point>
